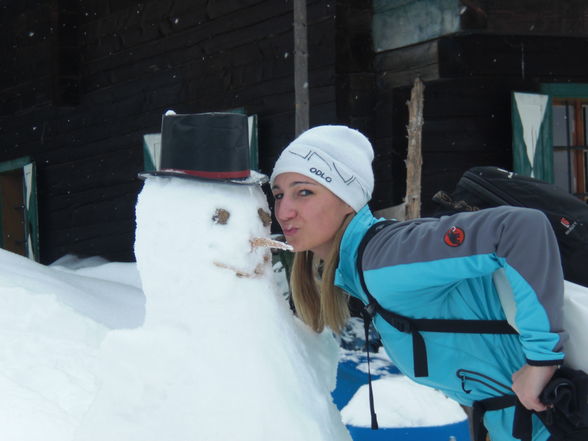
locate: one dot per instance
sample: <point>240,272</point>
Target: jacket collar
<point>346,276</point>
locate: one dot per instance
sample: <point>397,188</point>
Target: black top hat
<point>206,146</point>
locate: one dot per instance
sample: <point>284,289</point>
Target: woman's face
<point>308,212</point>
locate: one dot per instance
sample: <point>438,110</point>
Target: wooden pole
<point>300,67</point>
<point>414,157</point>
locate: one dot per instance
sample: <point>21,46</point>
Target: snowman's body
<point>237,364</point>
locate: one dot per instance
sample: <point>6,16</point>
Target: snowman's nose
<point>266,242</point>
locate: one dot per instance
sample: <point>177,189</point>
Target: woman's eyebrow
<point>295,183</point>
<point>302,183</point>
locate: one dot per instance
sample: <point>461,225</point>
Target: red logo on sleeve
<point>454,237</point>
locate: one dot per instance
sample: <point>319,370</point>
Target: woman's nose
<point>285,210</point>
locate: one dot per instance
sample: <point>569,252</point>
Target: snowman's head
<point>200,233</point>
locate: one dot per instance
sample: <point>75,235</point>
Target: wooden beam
<point>414,157</point>
<point>300,67</point>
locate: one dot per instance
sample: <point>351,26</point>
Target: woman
<point>424,268</point>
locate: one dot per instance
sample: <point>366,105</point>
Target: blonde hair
<point>327,306</point>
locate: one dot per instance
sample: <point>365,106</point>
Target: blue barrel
<point>458,431</point>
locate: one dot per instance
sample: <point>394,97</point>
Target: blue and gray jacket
<point>450,268</point>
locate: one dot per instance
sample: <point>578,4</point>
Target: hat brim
<point>254,178</point>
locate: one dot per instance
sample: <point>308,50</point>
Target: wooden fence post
<point>414,157</point>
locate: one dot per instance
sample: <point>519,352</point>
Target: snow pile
<point>112,301</point>
<point>400,403</point>
<point>51,338</point>
<point>99,268</point>
<point>575,322</point>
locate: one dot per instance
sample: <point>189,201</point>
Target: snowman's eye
<point>265,217</point>
<point>221,216</point>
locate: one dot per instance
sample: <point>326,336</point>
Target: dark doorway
<point>12,211</point>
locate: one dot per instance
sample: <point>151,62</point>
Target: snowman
<point>220,355</point>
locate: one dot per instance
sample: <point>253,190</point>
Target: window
<point>569,103</point>
<point>570,144</point>
<point>18,208</point>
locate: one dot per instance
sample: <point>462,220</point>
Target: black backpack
<point>484,187</point>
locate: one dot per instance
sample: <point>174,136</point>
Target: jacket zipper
<point>466,375</point>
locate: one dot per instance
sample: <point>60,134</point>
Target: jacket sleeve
<point>431,255</point>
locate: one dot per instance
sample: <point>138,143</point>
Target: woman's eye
<point>305,192</point>
<point>278,196</point>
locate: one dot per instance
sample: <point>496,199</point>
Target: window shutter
<point>152,151</point>
<point>253,142</point>
<point>532,138</point>
<point>31,212</point>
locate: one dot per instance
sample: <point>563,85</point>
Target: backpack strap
<point>415,326</point>
<point>367,312</point>
<point>522,423</point>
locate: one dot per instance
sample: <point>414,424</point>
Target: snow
<point>112,303</point>
<point>50,341</point>
<point>399,401</point>
<point>397,408</point>
<point>575,315</point>
<point>195,341</point>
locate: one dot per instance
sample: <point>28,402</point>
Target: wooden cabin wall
<point>466,124</point>
<point>471,54</point>
<point>81,82</point>
<point>357,93</point>
<point>399,23</point>
<point>539,17</point>
<point>469,78</point>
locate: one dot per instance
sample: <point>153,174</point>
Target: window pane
<point>585,171</point>
<point>585,120</point>
<point>563,124</point>
<point>563,168</point>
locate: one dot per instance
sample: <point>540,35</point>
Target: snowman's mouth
<point>257,272</point>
